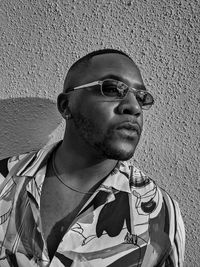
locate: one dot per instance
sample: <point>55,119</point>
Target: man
<point>81,202</point>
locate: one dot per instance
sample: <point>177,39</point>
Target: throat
<point>80,169</point>
<point>62,181</point>
<point>73,160</point>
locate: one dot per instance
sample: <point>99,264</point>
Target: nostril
<point>127,111</point>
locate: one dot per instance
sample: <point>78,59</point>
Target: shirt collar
<point>37,161</point>
<point>119,179</point>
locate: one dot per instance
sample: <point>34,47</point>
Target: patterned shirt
<point>127,221</point>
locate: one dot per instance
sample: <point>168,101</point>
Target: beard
<point>101,141</point>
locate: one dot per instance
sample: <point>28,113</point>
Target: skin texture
<point>92,139</point>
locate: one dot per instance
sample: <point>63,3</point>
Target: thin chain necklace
<point>60,179</point>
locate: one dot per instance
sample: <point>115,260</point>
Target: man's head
<point>83,63</point>
<point>111,127</point>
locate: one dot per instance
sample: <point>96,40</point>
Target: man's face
<point>112,128</point>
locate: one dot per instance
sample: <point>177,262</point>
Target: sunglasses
<point>117,90</point>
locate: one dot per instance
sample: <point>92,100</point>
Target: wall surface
<point>40,39</point>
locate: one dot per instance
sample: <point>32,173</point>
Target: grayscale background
<point>40,39</point>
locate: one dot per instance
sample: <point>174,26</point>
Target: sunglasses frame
<point>101,82</point>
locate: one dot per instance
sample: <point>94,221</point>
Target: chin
<point>120,156</point>
<point>122,153</point>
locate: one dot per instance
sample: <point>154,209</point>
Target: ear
<point>63,104</point>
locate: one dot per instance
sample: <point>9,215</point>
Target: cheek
<point>97,111</point>
<point>101,112</point>
<point>101,115</point>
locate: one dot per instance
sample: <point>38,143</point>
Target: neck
<point>75,160</point>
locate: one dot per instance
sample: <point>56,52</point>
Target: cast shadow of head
<point>27,124</point>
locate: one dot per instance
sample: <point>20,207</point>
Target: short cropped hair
<point>83,62</point>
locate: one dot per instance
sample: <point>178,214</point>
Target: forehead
<point>112,65</point>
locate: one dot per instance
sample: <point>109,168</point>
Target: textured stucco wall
<point>41,38</point>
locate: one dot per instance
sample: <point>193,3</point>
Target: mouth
<point>129,129</point>
<point>129,126</point>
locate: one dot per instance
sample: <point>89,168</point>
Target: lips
<point>129,127</point>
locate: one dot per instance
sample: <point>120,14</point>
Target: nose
<point>130,106</point>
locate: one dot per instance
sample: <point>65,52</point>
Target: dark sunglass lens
<point>109,88</point>
<point>145,99</point>
<point>122,89</point>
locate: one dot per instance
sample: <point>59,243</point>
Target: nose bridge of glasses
<point>132,93</point>
<point>133,90</point>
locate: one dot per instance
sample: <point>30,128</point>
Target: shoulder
<point>162,209</point>
<point>6,165</point>
<point>144,184</point>
<point>176,230</point>
<point>27,163</point>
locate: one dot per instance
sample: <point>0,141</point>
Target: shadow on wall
<point>26,124</point>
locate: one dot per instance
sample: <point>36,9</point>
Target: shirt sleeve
<point>176,256</point>
<point>3,174</point>
<point>3,169</point>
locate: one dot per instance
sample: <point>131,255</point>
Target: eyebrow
<point>137,86</point>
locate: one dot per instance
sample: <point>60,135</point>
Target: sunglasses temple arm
<point>87,85</point>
